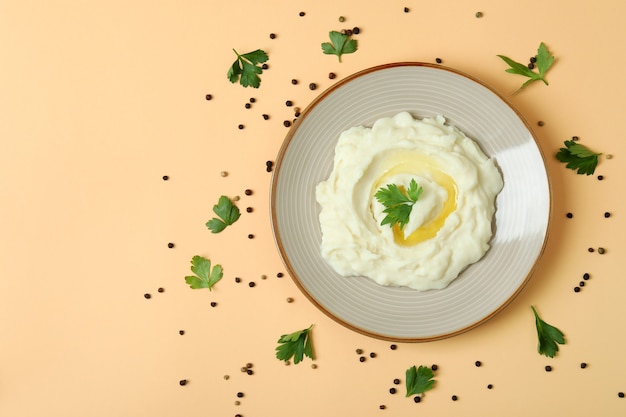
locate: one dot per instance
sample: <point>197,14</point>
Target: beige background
<point>100,99</point>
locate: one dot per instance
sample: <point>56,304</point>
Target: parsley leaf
<point>578,157</point>
<point>544,61</point>
<point>228,214</point>
<point>339,44</point>
<point>246,69</point>
<point>398,203</point>
<point>418,380</point>
<point>548,336</point>
<point>204,277</point>
<point>296,345</point>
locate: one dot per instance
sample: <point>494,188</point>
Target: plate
<point>521,221</point>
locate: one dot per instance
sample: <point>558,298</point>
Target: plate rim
<point>274,220</point>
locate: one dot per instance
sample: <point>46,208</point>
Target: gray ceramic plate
<point>522,216</point>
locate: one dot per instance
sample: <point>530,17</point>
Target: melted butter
<point>406,162</point>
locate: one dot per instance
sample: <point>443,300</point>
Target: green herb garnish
<point>246,68</point>
<point>578,157</point>
<point>339,44</point>
<point>296,345</point>
<point>548,336</point>
<point>205,276</point>
<point>418,380</point>
<point>228,214</point>
<point>544,60</point>
<point>398,203</point>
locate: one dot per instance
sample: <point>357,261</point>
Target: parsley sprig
<point>246,70</point>
<point>398,203</point>
<point>297,345</point>
<point>339,44</point>
<point>578,157</point>
<point>544,61</point>
<point>418,380</point>
<point>548,336</point>
<point>205,276</point>
<point>227,212</point>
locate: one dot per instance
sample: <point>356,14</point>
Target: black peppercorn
<point>356,30</point>
<point>393,347</point>
<point>362,359</point>
<point>240,127</point>
<point>478,363</point>
<point>312,86</point>
<point>417,399</point>
<point>272,36</point>
<point>165,178</point>
<point>240,395</point>
<point>620,394</point>
<point>208,96</point>
<point>434,367</point>
<point>286,123</point>
<point>301,13</point>
<point>359,351</point>
<point>183,382</point>
<point>279,275</point>
<point>266,116</point>
<point>265,66</point>
<point>454,398</point>
<point>213,304</point>
<point>372,355</point>
<point>251,284</point>
<point>237,279</point>
<point>586,276</point>
<point>294,81</point>
<point>548,368</point>
<point>490,386</point>
<point>438,60</point>
<point>600,177</point>
<point>406,10</point>
<point>382,406</point>
<point>576,289</point>
<point>288,103</point>
<point>540,123</point>
<point>181,332</point>
<point>147,296</point>
<point>583,365</point>
<point>607,214</point>
<point>170,245</point>
<point>161,289</point>
<point>249,209</point>
<point>332,75</point>
<point>248,105</point>
<point>396,381</point>
<point>569,215</point>
<point>248,191</point>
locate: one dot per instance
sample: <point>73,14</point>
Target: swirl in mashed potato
<point>449,227</point>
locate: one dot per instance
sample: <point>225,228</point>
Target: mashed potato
<point>450,225</point>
